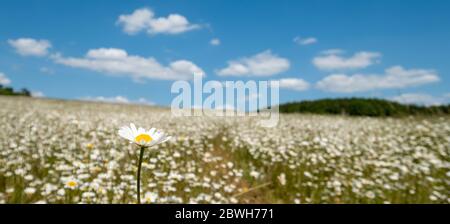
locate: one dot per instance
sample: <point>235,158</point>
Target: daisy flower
<point>71,183</point>
<point>89,146</point>
<point>141,137</point>
<point>30,190</point>
<point>150,197</point>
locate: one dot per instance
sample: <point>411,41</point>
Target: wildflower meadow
<point>54,151</point>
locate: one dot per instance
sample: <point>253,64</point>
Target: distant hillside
<point>11,92</point>
<point>361,107</point>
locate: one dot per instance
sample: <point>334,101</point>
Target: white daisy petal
<point>124,132</point>
<point>128,133</point>
<point>133,129</point>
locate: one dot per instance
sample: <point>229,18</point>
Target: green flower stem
<point>138,185</point>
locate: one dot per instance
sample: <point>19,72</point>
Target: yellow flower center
<point>72,183</point>
<point>143,138</point>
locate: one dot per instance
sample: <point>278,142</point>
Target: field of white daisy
<point>55,151</point>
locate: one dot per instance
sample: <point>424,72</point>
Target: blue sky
<point>134,50</point>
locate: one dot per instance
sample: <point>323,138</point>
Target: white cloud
<point>333,60</point>
<point>144,101</point>
<point>332,51</point>
<point>305,41</point>
<point>30,47</point>
<point>46,70</point>
<point>262,64</point>
<point>394,77</point>
<point>117,62</point>
<point>421,99</point>
<point>38,94</point>
<point>294,84</point>
<point>4,80</point>
<point>215,42</point>
<point>144,19</point>
<point>137,21</point>
<point>117,99</point>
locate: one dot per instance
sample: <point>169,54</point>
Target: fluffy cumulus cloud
<point>394,77</point>
<point>30,47</point>
<point>4,80</point>
<point>262,64</point>
<point>37,94</point>
<point>117,99</point>
<point>144,20</point>
<point>294,84</point>
<point>421,99</point>
<point>334,60</point>
<point>305,41</point>
<point>215,42</point>
<point>115,61</point>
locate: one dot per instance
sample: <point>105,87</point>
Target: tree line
<point>362,107</point>
<point>9,91</point>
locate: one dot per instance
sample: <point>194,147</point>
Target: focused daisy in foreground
<point>143,139</point>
